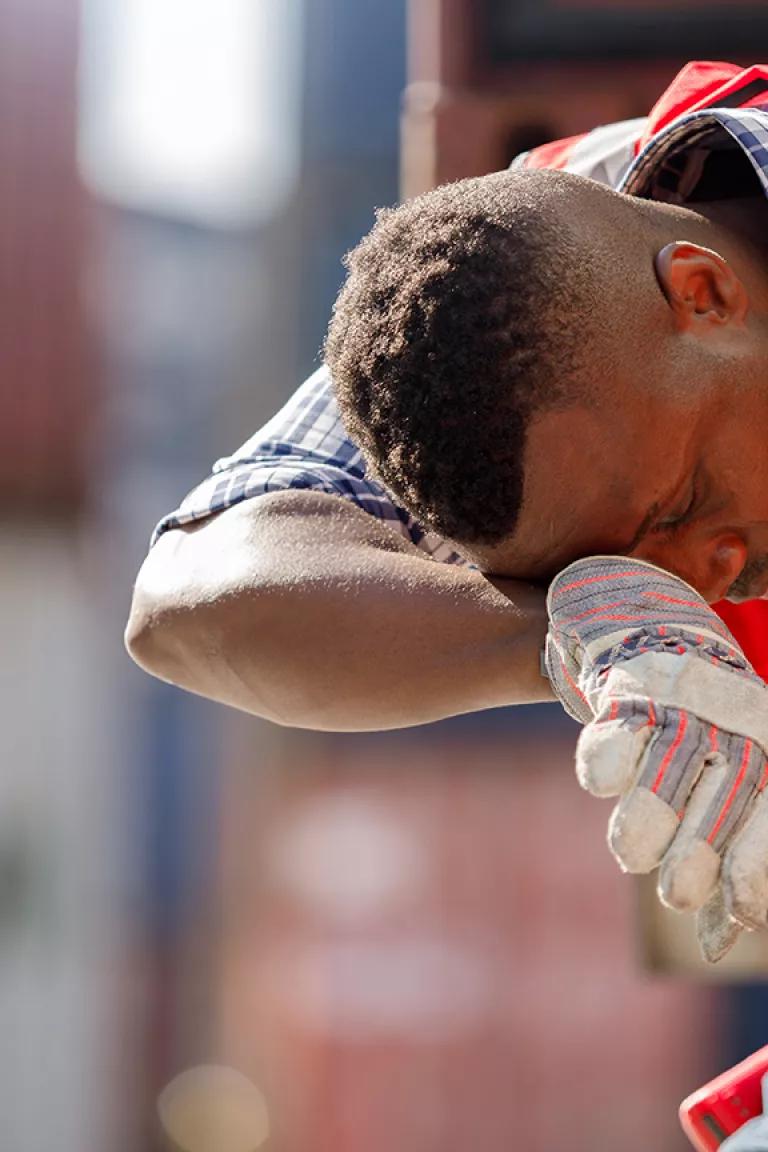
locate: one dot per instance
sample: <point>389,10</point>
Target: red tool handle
<point>720,1108</point>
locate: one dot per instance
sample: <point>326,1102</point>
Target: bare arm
<point>304,609</point>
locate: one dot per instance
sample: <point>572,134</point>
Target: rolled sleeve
<point>303,447</point>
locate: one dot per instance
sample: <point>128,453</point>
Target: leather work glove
<point>676,726</point>
<point>752,1136</point>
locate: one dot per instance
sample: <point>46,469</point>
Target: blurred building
<point>375,929</point>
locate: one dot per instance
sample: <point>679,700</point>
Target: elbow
<point>149,635</point>
<point>196,645</point>
<point>241,646</point>
<point>147,638</point>
<point>164,607</point>
<point>134,638</point>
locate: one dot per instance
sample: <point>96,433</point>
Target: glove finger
<point>610,749</point>
<point>691,866</point>
<point>675,756</point>
<point>645,821</point>
<point>745,868</point>
<point>733,800</point>
<point>716,930</point>
<point>716,806</point>
<point>751,1137</point>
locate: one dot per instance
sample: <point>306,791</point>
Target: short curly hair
<point>462,316</point>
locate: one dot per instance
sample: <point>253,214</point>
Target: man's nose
<point>710,566</point>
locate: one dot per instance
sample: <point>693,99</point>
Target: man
<point>539,369</point>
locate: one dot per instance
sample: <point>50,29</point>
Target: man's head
<point>534,365</point>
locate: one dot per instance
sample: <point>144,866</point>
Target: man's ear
<point>700,287</point>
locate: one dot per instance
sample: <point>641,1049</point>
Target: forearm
<point>337,623</point>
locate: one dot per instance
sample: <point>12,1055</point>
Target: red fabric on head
<point>556,154</point>
<point>701,84</point>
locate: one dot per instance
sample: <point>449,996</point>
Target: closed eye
<point>678,519</point>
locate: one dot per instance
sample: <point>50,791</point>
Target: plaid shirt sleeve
<point>304,446</point>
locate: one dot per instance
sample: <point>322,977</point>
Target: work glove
<point>752,1136</point>
<point>676,726</point>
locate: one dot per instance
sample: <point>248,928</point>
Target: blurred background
<point>369,927</point>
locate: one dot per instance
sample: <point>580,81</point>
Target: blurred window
<point>191,110</point>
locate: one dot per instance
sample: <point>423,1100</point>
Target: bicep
<point>279,538</point>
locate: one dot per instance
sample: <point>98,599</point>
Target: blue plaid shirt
<point>306,446</point>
